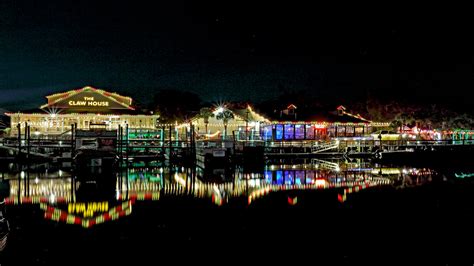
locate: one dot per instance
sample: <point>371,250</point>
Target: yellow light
<point>320,182</point>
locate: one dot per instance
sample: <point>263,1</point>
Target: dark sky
<point>234,50</point>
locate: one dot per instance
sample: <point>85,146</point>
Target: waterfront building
<point>242,119</point>
<point>86,108</point>
<point>289,125</point>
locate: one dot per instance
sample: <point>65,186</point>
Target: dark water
<point>318,210</point>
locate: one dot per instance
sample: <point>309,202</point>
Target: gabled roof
<point>241,113</point>
<point>252,115</point>
<point>357,116</point>
<point>340,115</point>
<point>55,99</point>
<point>333,117</point>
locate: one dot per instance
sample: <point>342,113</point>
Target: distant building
<point>290,111</point>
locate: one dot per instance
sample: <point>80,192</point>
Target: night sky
<point>234,50</point>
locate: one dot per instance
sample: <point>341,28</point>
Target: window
<point>341,131</point>
<point>279,132</point>
<point>309,132</point>
<point>299,131</point>
<point>289,131</point>
<point>267,133</point>
<point>349,131</point>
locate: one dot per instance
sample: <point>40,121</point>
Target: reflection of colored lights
<point>351,187</point>
<point>268,177</point>
<point>33,200</point>
<point>253,188</point>
<point>141,196</point>
<point>217,200</point>
<point>179,179</point>
<point>292,201</point>
<point>342,198</point>
<point>55,214</point>
<point>463,175</point>
<point>320,182</point>
<point>279,177</point>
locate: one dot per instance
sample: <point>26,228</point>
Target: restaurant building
<point>287,124</point>
<point>85,107</point>
<point>242,119</point>
<point>291,125</point>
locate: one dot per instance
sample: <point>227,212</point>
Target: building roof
<point>88,99</point>
<point>85,100</point>
<point>241,112</point>
<point>248,114</point>
<point>340,115</point>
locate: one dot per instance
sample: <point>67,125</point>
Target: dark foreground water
<point>314,212</point>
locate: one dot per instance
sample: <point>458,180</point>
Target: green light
<point>463,175</point>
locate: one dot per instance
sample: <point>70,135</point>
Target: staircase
<point>317,148</point>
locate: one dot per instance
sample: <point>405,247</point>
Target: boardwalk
<point>64,148</point>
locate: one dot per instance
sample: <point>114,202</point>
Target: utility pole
<point>19,139</point>
<point>247,125</point>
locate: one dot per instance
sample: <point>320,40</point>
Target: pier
<point>170,145</point>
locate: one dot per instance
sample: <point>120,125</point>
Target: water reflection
<point>4,227</point>
<point>88,200</point>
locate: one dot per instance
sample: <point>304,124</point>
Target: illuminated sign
<point>88,101</point>
<point>88,209</point>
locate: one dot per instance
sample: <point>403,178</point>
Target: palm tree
<point>225,116</point>
<point>407,119</point>
<point>205,113</point>
<point>396,125</point>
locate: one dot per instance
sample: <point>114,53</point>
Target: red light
<point>63,216</point>
<point>292,201</point>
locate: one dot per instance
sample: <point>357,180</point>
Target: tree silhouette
<point>174,105</point>
<point>205,113</point>
<point>225,116</point>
